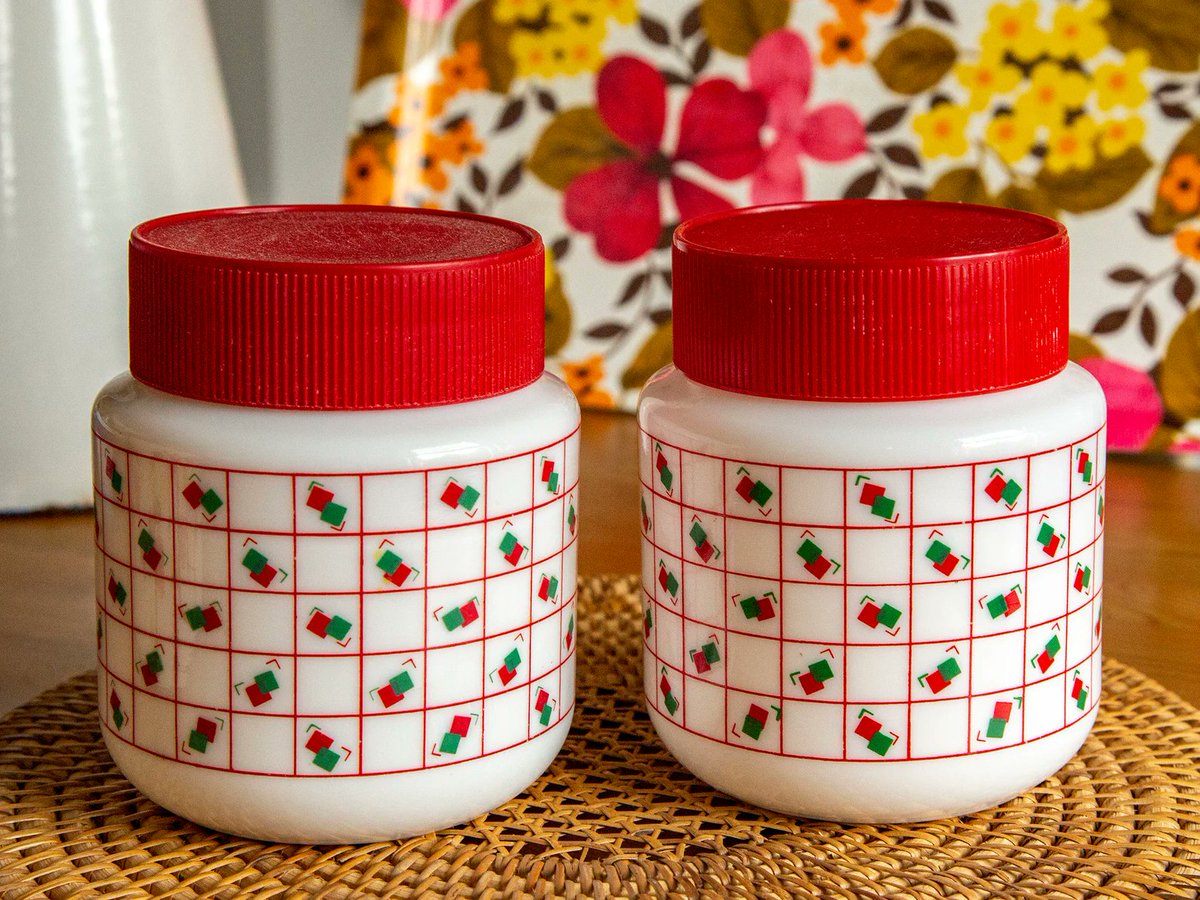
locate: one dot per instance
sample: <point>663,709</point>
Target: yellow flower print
<point>1120,84</point>
<point>1077,30</point>
<point>584,378</point>
<point>1072,146</point>
<point>943,130</point>
<point>986,78</point>
<point>569,49</point>
<point>1011,136</point>
<point>509,11</point>
<point>461,70</point>
<point>368,178</point>
<point>1118,135</point>
<point>1014,28</point>
<point>1052,89</point>
<point>1180,185</point>
<point>1187,242</point>
<point>415,104</point>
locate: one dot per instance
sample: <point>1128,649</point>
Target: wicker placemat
<point>616,815</point>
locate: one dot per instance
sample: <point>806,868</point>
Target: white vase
<point>110,113</point>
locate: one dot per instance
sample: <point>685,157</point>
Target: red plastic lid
<point>870,300</point>
<point>335,307</point>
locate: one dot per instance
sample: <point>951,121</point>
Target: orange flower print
<point>584,379</point>
<point>368,178</point>
<point>856,8</point>
<point>461,70</point>
<point>1180,185</point>
<point>1187,242</point>
<point>456,144</point>
<point>841,41</point>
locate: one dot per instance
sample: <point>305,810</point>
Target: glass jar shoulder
<point>140,418</point>
<point>1049,414</point>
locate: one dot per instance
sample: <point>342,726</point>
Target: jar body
<point>873,612</point>
<point>335,626</point>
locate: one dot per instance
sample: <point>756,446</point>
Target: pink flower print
<point>781,70</point>
<point>1134,406</point>
<point>619,202</point>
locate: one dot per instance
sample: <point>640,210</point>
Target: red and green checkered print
<point>1049,539</point>
<point>667,580</point>
<point>197,497</point>
<point>665,476</point>
<point>460,727</point>
<point>760,608</point>
<point>1044,660</point>
<point>815,561</point>
<point>113,474</point>
<point>548,587</point>
<point>508,670</point>
<point>460,616</point>
<point>751,489</point>
<point>460,496</point>
<point>117,591</point>
<point>394,690</point>
<point>871,731</point>
<point>872,614</point>
<point>328,509</point>
<point>1004,605</point>
<point>648,620</point>
<point>941,677</point>
<point>705,656</point>
<point>395,570</point>
<point>118,714</point>
<point>704,548</point>
<point>548,475</point>
<point>1083,465</point>
<point>320,745</point>
<point>570,632</point>
<point>645,516</point>
<point>324,625</point>
<point>202,735</point>
<point>203,618</point>
<point>150,553</point>
<point>543,706</point>
<point>670,701</point>
<point>1002,489</point>
<point>1079,692</point>
<point>754,722</point>
<point>152,667</point>
<point>1083,577</point>
<point>571,517</point>
<point>874,497</point>
<point>813,679</point>
<point>997,724</point>
<point>260,569</point>
<point>943,559</point>
<point>260,689</point>
<point>511,548</point>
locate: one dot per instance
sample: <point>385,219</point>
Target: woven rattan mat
<point>616,815</point>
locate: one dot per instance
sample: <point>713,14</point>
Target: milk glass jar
<point>872,508</point>
<point>336,512</point>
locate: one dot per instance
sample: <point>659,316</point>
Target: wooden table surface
<point>1152,568</point>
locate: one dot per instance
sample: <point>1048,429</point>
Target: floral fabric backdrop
<point>604,123</point>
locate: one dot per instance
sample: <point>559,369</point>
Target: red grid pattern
<point>139,625</point>
<point>686,612</point>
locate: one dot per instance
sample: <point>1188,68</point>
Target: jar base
<point>873,792</point>
<point>353,809</point>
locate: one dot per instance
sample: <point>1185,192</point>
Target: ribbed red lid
<point>335,307</point>
<point>870,299</point>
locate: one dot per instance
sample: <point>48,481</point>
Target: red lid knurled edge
<point>870,300</point>
<point>335,307</point>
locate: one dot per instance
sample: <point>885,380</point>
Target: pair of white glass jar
<point>337,505</point>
